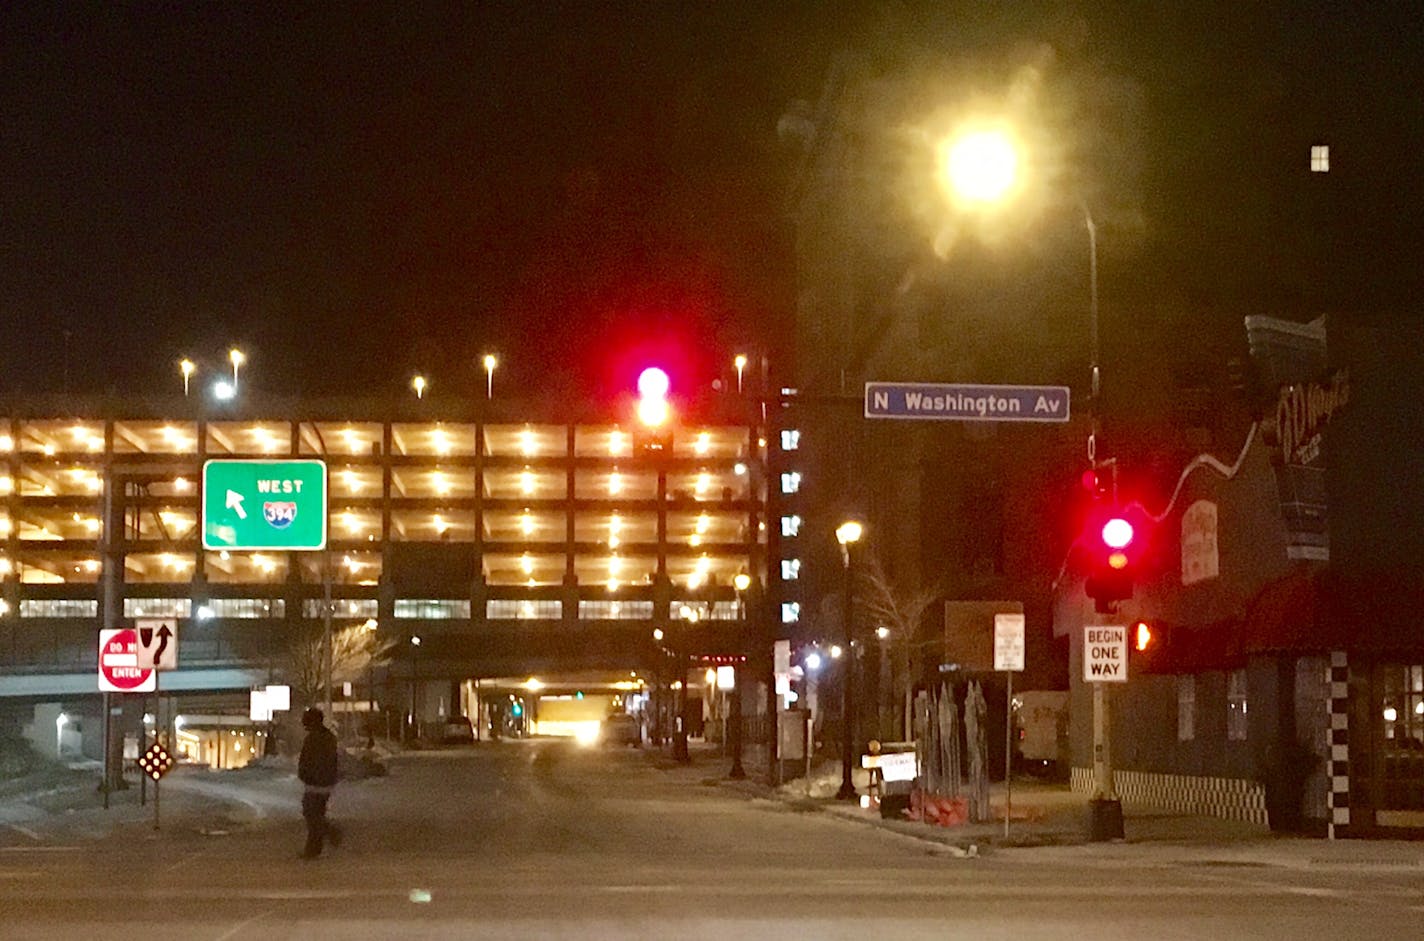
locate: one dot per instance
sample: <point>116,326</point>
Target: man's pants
<point>314,810</point>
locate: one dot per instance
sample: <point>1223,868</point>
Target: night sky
<point>353,193</point>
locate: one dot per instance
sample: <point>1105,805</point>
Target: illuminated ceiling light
<point>613,585</point>
<point>78,474</point>
<point>526,562</point>
<point>439,523</point>
<point>5,567</point>
<point>526,481</point>
<point>614,542</point>
<point>7,484</point>
<point>440,441</point>
<point>80,432</point>
<point>95,443</point>
<point>615,483</point>
<point>96,483</point>
<point>694,540</point>
<point>92,565</point>
<point>440,483</point>
<point>704,480</point>
<point>533,685</point>
<point>49,450</point>
<point>5,525</point>
<point>181,484</point>
<point>350,522</point>
<point>7,443</point>
<point>172,435</point>
<point>351,564</point>
<point>170,561</point>
<point>695,580</point>
<point>615,565</point>
<point>352,480</point>
<point>617,441</point>
<point>704,564</point>
<point>704,523</point>
<point>526,523</point>
<point>527,444</point>
<point>615,523</point>
<point>739,469</point>
<point>264,563</point>
<point>703,443</point>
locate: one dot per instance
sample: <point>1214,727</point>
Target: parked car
<point>620,729</point>
<point>457,730</point>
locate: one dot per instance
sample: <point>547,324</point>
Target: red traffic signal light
<point>1114,550</point>
<point>653,408</point>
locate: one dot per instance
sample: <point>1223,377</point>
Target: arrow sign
<point>234,503</point>
<point>157,644</point>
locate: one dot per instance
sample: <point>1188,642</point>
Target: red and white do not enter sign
<point>119,671</point>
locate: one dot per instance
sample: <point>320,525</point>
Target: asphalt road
<point>536,840</point>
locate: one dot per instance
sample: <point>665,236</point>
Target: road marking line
<point>26,831</point>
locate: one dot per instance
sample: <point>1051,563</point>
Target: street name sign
<point>157,643</point>
<point>954,402</point>
<point>119,671</point>
<point>1105,654</point>
<point>260,504</point>
<point>1009,642</point>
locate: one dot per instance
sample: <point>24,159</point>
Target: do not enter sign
<point>119,671</point>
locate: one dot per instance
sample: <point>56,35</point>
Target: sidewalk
<point>1050,821</point>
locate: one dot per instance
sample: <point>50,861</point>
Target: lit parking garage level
<point>256,504</point>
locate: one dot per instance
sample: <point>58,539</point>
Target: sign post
<point>1008,657</point>
<point>1104,661</point>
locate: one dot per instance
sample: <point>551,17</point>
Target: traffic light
<point>1115,545</point>
<point>653,408</point>
<point>1150,647</point>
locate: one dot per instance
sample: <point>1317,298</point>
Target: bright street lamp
<point>224,391</point>
<point>418,384</point>
<point>235,355</point>
<point>490,364</point>
<point>187,368</point>
<point>741,363</point>
<point>981,166</point>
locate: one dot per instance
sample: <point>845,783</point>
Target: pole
<point>326,624</point>
<point>1104,810</point>
<point>1093,365</point>
<point>108,733</point>
<point>1008,751</point>
<point>155,739</point>
<point>847,788</point>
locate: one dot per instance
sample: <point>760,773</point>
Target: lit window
<point>790,569</point>
<point>1236,706</point>
<point>1320,158</point>
<point>432,609</point>
<point>504,609</point>
<point>1186,708</point>
<point>615,610</point>
<point>790,525</point>
<point>790,612</point>
<point>790,439</point>
<point>790,483</point>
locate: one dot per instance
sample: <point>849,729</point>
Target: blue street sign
<point>934,401</point>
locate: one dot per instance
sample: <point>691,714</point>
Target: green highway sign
<point>274,505</point>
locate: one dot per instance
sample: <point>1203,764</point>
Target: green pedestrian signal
<point>267,505</point>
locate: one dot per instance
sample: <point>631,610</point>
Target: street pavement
<point>545,839</point>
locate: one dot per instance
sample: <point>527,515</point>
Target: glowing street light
<point>490,363</point>
<point>418,384</point>
<point>224,391</point>
<point>741,363</point>
<point>237,359</point>
<point>187,368</point>
<point>981,166</point>
<point>848,534</point>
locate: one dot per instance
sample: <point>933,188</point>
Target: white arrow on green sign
<point>272,505</point>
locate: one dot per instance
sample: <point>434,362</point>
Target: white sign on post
<point>157,643</point>
<point>1105,654</point>
<point>1009,642</point>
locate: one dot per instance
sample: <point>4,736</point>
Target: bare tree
<point>899,610</point>
<point>354,649</point>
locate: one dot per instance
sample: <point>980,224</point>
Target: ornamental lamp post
<point>848,534</point>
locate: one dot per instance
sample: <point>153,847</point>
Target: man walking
<point>317,770</point>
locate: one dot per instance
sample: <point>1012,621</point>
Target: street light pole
<point>848,534</point>
<point>741,582</point>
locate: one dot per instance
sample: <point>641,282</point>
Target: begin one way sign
<point>1105,654</point>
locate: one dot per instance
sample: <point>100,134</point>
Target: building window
<point>614,610</point>
<point>791,482</point>
<point>157,607</point>
<point>432,609</point>
<point>790,612</point>
<point>790,525</point>
<point>59,608</point>
<point>790,439</point>
<point>1186,708</point>
<point>507,609</point>
<point>247,608</point>
<point>1236,706</point>
<point>360,608</point>
<point>790,570</point>
<point>1320,158</point>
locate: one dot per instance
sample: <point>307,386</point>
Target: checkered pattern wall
<point>1339,680</point>
<point>1229,798</point>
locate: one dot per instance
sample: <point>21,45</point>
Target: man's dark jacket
<point>317,765</point>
